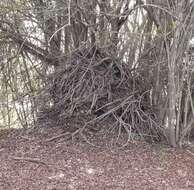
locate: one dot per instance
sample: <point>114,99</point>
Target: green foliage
<point>167,28</point>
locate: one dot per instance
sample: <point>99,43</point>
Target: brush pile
<point>93,86</point>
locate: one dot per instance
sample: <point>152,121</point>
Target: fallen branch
<point>28,159</point>
<point>57,137</point>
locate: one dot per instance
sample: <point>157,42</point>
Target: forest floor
<point>34,160</point>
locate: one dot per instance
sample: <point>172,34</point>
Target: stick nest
<point>94,87</point>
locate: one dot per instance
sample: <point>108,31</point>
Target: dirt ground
<point>34,160</point>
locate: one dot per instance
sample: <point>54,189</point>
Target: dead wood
<point>94,86</point>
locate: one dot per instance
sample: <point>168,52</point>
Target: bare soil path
<point>29,162</point>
